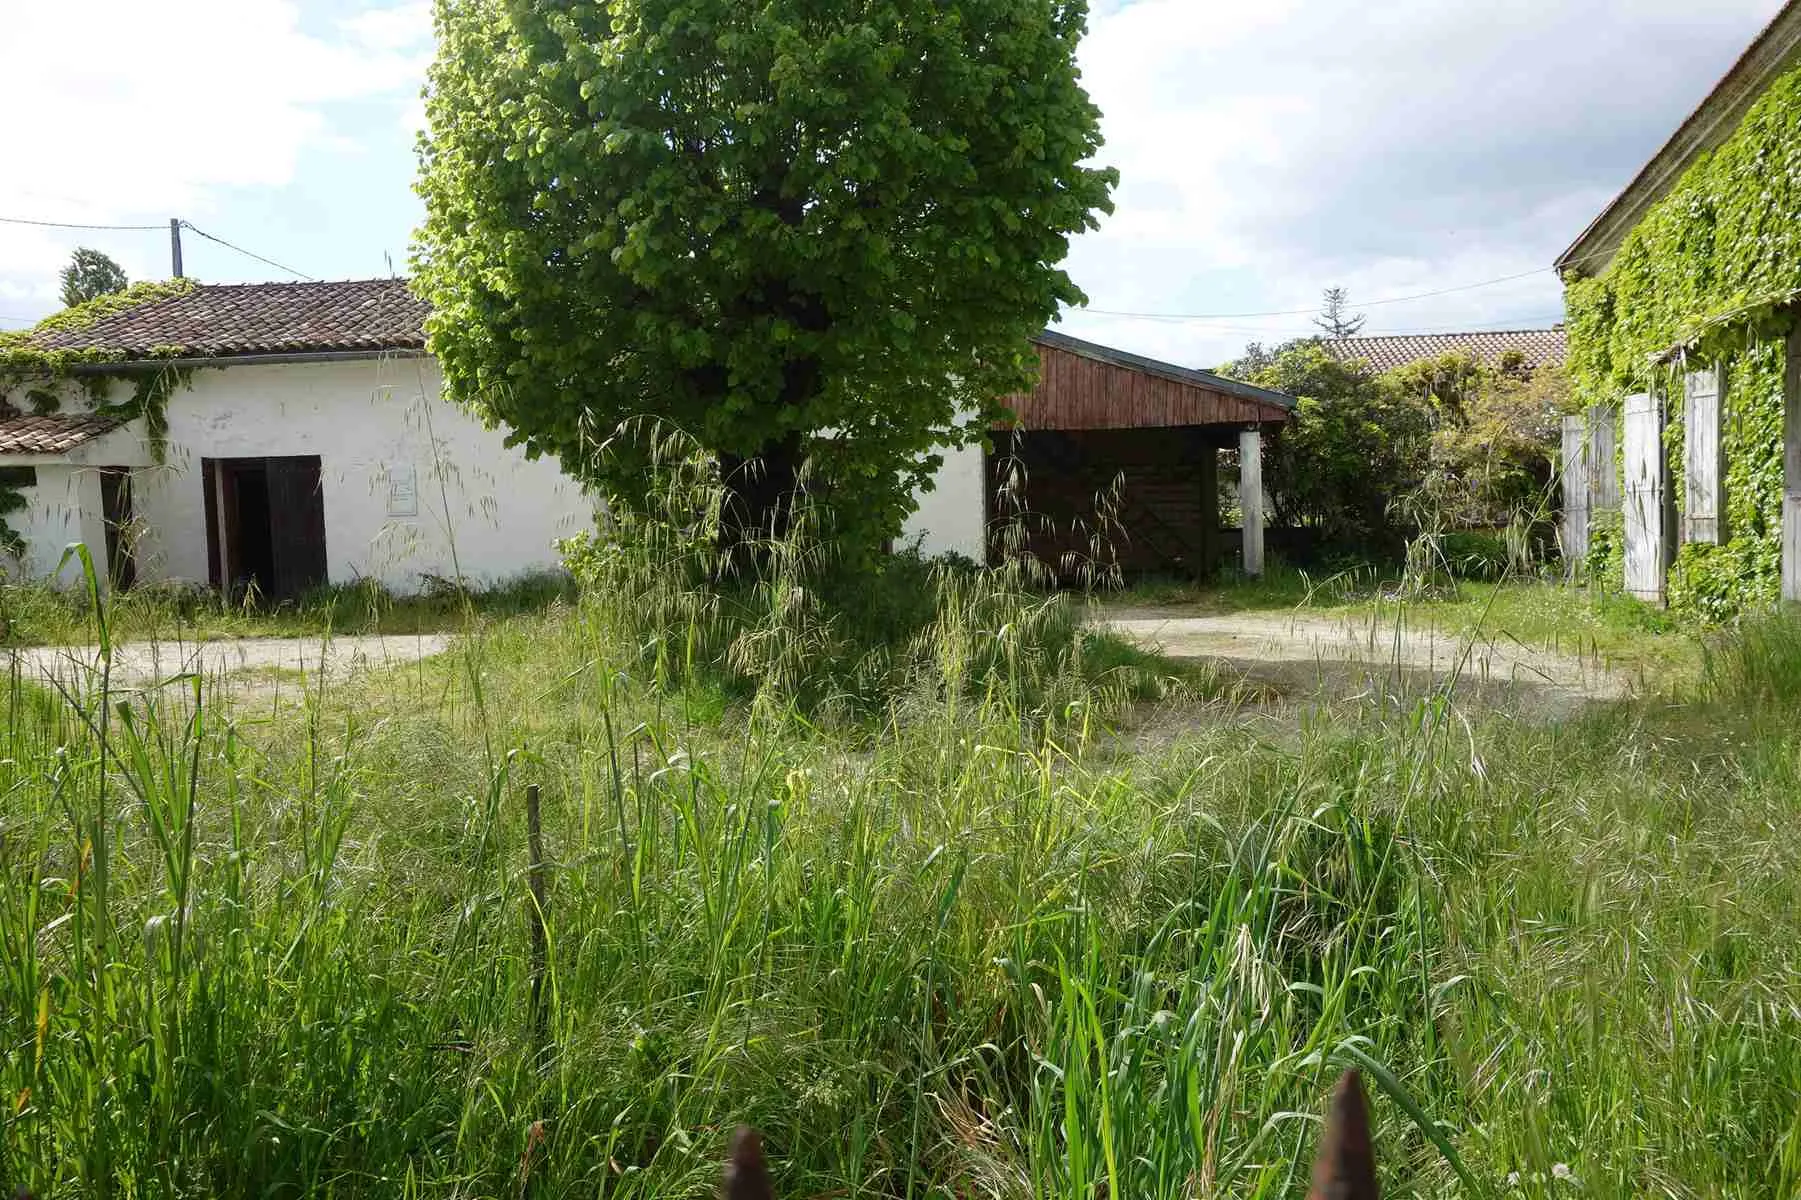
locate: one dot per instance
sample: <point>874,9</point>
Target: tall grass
<point>943,948</point>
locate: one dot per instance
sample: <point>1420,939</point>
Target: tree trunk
<point>760,495</point>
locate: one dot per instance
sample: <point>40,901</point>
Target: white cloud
<point>1270,149</point>
<point>122,112</point>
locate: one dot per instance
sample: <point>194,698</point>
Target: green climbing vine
<point>1711,274</point>
<point>39,376</point>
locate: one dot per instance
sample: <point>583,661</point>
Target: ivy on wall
<point>1711,274</point>
<point>42,375</point>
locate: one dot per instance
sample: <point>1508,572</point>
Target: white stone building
<point>307,443</point>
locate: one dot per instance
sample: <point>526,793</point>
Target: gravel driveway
<point>1285,646</point>
<point>252,660</point>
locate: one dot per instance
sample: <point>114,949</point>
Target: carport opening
<point>1136,502</point>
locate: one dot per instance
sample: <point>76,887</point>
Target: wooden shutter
<point>296,525</point>
<point>1703,467</point>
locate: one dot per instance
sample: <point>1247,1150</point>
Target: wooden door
<point>296,525</point>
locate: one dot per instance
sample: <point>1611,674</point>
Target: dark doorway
<point>115,511</point>
<point>1087,503</point>
<point>265,525</point>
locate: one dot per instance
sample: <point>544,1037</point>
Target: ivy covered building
<point>1683,480</point>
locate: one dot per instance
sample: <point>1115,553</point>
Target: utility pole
<point>175,247</point>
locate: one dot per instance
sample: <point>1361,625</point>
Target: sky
<point>1267,149</point>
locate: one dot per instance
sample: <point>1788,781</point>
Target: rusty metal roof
<point>51,434</point>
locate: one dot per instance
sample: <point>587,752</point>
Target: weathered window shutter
<point>1646,496</point>
<point>1703,465</point>
<point>1575,492</point>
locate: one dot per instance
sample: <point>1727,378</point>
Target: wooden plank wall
<point>1158,489</point>
<point>1075,392</point>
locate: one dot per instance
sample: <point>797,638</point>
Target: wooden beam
<point>1250,498</point>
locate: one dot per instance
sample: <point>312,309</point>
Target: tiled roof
<point>50,435</point>
<point>1537,347</point>
<point>219,320</point>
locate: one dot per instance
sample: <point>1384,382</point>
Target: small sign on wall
<point>403,490</point>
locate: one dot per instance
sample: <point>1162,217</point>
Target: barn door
<point>1646,495</point>
<point>296,526</point>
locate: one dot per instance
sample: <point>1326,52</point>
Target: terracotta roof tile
<point>225,319</point>
<point>1537,347</point>
<point>52,434</point>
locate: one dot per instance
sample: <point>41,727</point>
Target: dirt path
<point>247,665</point>
<point>1293,651</point>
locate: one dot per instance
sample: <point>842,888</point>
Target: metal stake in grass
<point>534,875</point>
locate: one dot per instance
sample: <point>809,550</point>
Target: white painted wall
<point>64,507</point>
<point>953,516</point>
<point>370,421</point>
<point>480,506</point>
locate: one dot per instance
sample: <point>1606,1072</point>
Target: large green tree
<point>90,275</point>
<point>800,230</point>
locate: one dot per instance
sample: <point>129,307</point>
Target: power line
<point>73,224</point>
<point>1305,312</point>
<point>247,253</point>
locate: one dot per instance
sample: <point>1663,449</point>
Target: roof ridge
<point>1373,337</point>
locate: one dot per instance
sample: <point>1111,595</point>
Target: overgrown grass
<point>37,614</point>
<point>942,947</point>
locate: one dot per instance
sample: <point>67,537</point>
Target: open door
<point>265,525</point>
<point>115,508</point>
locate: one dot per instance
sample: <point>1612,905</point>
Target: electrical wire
<point>72,224</point>
<point>1305,312</point>
<point>247,253</point>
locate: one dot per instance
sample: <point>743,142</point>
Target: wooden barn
<point>1115,461</point>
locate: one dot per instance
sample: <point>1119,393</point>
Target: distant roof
<point>1774,52</point>
<point>51,434</point>
<point>1536,347</point>
<point>222,320</point>
<point>1163,370</point>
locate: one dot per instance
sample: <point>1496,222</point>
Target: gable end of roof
<point>1775,51</point>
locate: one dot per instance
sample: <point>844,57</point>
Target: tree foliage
<point>1493,450</point>
<point>1356,442</point>
<point>1335,314</point>
<point>90,275</point>
<point>796,229</point>
<point>1367,454</point>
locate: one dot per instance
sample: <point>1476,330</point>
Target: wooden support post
<point>1575,494</point>
<point>1207,456</point>
<point>1791,469</point>
<point>1250,498</point>
<point>1704,466</point>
